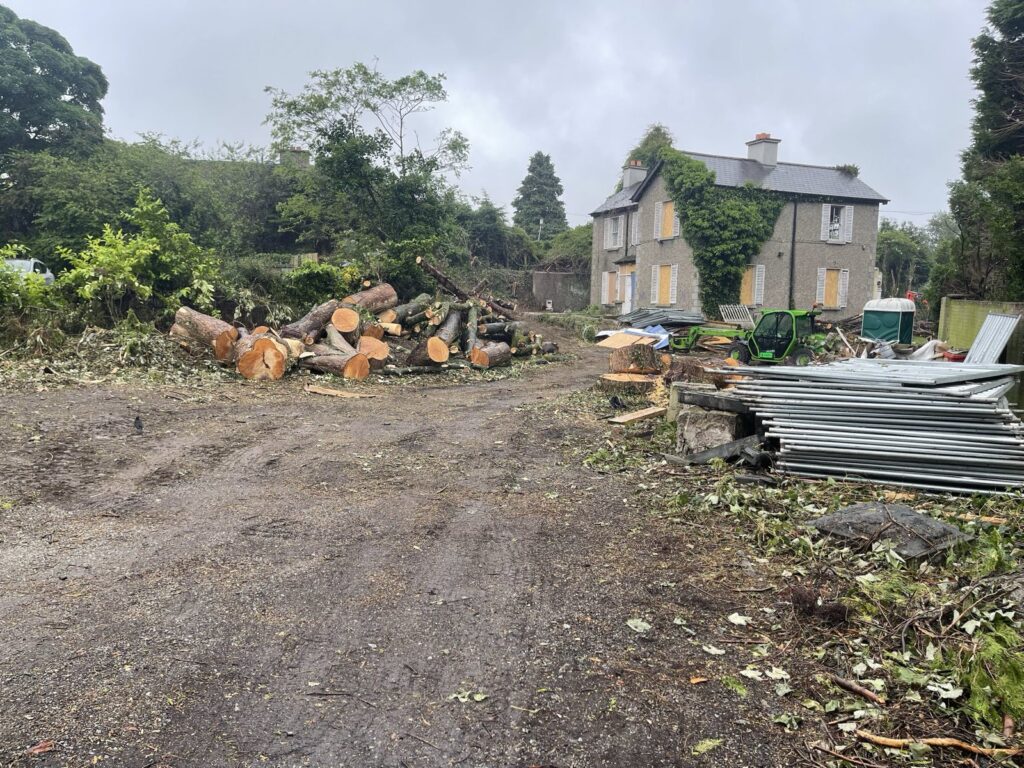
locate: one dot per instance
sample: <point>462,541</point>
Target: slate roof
<point>793,178</point>
<point>621,199</point>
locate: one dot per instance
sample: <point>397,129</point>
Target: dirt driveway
<point>424,578</point>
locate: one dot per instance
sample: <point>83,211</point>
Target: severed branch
<point>939,741</point>
<point>858,689</point>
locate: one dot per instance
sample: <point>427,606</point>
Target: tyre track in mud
<point>300,581</point>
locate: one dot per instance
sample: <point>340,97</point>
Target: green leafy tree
<point>49,97</point>
<point>537,207</point>
<point>358,94</point>
<point>998,74</point>
<point>488,234</point>
<point>985,257</point>
<point>570,250</point>
<point>725,227</point>
<point>226,199</point>
<point>151,270</point>
<point>903,257</point>
<point>648,151</point>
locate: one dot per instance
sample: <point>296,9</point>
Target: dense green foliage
<point>150,270</point>
<point>538,208</point>
<point>227,201</point>
<point>983,253</point>
<point>49,97</point>
<point>725,227</point>
<point>903,257</point>
<point>135,229</point>
<point>570,251</point>
<point>648,151</point>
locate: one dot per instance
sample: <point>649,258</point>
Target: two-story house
<point>822,250</point>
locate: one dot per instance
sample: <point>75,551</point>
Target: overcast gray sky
<point>879,83</point>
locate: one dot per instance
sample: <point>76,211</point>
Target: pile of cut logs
<point>369,332</point>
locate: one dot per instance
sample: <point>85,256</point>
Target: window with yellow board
<point>666,223</point>
<point>664,284</point>
<point>833,288</point>
<point>752,287</point>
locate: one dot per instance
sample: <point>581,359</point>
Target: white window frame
<point>634,228</point>
<point>842,231</point>
<point>613,232</point>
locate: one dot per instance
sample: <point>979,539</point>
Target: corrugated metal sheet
<point>935,426</point>
<point>992,338</point>
<point>669,318</point>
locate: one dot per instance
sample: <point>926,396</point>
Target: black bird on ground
<point>138,425</point>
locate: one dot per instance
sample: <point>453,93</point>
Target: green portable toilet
<point>889,320</point>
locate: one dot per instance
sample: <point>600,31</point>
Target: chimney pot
<point>763,136</point>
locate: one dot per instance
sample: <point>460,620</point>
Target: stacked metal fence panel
<point>668,318</point>
<point>936,426</point>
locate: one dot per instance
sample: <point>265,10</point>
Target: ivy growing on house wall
<point>725,226</point>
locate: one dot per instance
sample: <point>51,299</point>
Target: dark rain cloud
<point>877,83</point>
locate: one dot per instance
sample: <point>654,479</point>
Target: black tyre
<point>738,350</point>
<point>801,356</point>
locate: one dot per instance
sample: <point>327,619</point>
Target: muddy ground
<point>267,577</point>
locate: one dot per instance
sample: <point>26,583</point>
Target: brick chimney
<point>633,172</point>
<point>764,149</point>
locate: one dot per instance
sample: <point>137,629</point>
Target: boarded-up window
<point>752,287</point>
<point>666,223</point>
<point>609,287</point>
<point>833,287</point>
<point>663,283</point>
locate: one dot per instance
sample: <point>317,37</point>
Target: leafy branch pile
<point>725,227</point>
<point>930,638</point>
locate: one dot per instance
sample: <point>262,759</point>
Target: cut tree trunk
<point>450,329</point>
<point>345,319</point>
<point>224,345</point>
<point>410,308</point>
<point>502,330</point>
<point>376,351</point>
<point>309,327</point>
<point>430,351</point>
<point>375,299</point>
<point>387,316</point>
<point>491,355</point>
<point>392,329</point>
<point>262,357</point>
<point>198,327</point>
<point>339,342</point>
<point>470,334</point>
<point>636,358</point>
<point>373,330</point>
<point>325,359</point>
<point>438,313</point>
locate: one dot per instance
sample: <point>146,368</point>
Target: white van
<point>30,265</point>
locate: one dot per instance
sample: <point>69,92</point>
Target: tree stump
<point>636,358</point>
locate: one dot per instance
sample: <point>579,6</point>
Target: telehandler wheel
<point>739,351</point>
<point>801,356</point>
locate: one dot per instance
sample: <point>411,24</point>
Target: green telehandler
<point>780,336</point>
